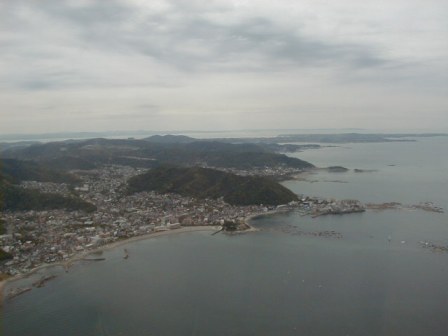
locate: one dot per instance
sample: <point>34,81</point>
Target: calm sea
<point>375,279</point>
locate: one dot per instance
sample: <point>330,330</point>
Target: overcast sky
<point>85,65</point>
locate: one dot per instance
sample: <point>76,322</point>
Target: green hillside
<point>20,170</point>
<point>209,183</point>
<point>150,153</point>
<point>14,198</point>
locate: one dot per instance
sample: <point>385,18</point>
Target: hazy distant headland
<point>336,138</point>
<point>329,136</point>
<point>146,153</point>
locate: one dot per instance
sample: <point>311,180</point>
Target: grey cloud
<point>42,78</point>
<point>256,39</point>
<point>84,14</point>
<point>148,107</point>
<point>37,84</point>
<point>184,37</point>
<point>50,80</point>
<point>141,111</point>
<point>205,61</point>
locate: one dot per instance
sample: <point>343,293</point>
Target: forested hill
<point>209,183</point>
<point>15,198</point>
<point>18,170</point>
<point>93,153</point>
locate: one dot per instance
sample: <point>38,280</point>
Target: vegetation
<point>69,162</point>
<point>4,256</point>
<point>152,152</point>
<point>2,227</point>
<point>15,198</point>
<point>337,169</point>
<point>229,226</point>
<point>217,154</point>
<point>209,183</point>
<point>17,170</point>
<point>170,139</point>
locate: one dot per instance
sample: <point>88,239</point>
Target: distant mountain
<point>336,138</point>
<point>209,183</point>
<point>92,153</point>
<point>69,162</point>
<point>16,145</point>
<point>73,135</point>
<point>339,138</point>
<point>170,139</point>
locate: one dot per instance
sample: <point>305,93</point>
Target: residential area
<point>42,237</point>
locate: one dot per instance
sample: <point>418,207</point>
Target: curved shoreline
<point>80,256</point>
<point>83,254</point>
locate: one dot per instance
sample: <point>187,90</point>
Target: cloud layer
<point>98,65</point>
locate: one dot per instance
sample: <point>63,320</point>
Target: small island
<point>337,169</point>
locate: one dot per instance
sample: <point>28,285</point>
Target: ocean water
<point>371,276</point>
<point>407,172</point>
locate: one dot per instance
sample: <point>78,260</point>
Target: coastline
<point>80,256</point>
<point>66,264</point>
<point>142,237</point>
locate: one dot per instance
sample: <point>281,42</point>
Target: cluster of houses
<point>38,237</point>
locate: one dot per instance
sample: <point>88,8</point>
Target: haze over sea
<point>283,280</point>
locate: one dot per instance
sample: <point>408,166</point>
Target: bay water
<point>358,274</point>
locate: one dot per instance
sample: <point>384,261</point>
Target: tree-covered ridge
<point>2,227</point>
<point>92,153</point>
<point>209,183</point>
<point>18,170</point>
<point>15,198</point>
<point>5,255</point>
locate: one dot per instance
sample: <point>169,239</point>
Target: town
<point>35,238</point>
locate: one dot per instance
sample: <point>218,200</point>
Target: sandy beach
<point>143,237</point>
<point>81,255</point>
<point>84,254</point>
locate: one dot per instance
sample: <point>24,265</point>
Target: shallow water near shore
<point>371,278</point>
<point>406,172</point>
